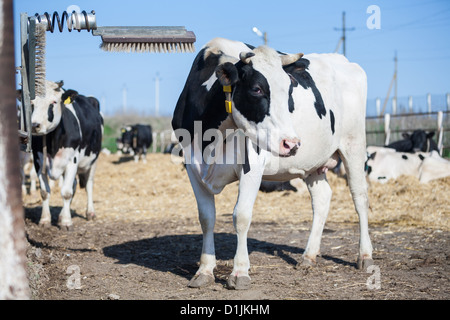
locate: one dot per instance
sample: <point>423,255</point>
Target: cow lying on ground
<point>384,164</point>
<point>72,127</point>
<point>136,140</point>
<point>418,141</point>
<point>296,116</point>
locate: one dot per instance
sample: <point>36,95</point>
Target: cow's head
<point>421,141</point>
<point>260,98</point>
<point>47,110</point>
<point>127,141</point>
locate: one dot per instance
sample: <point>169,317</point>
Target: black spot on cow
<point>404,157</point>
<point>252,96</point>
<point>421,157</point>
<point>299,71</point>
<point>332,120</point>
<point>50,114</point>
<point>293,84</point>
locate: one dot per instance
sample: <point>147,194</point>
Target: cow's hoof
<point>238,283</point>
<point>90,216</point>
<point>66,227</point>
<point>201,280</point>
<point>45,224</point>
<point>305,263</point>
<point>364,262</point>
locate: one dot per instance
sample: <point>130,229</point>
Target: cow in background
<point>384,164</point>
<point>70,126</point>
<point>418,141</point>
<point>136,140</point>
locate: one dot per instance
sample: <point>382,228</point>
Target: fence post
<point>378,104</point>
<point>429,103</point>
<point>410,104</point>
<point>394,105</point>
<point>440,130</point>
<point>387,130</point>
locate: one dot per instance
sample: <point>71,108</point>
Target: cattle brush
<point>146,39</point>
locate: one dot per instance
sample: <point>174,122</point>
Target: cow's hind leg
<point>87,181</point>
<point>207,216</point>
<point>320,192</point>
<point>354,158</point>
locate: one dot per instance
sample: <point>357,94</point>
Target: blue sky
<point>419,30</point>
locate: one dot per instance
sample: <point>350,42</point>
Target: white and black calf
<point>297,115</point>
<point>70,127</point>
<point>136,140</point>
<point>384,164</point>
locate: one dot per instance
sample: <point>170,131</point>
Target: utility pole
<point>342,39</point>
<point>393,83</point>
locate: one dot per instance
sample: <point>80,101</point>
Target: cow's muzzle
<point>289,147</point>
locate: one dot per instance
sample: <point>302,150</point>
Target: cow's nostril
<point>289,147</point>
<point>35,125</point>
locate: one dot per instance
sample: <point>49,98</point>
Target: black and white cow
<point>72,127</point>
<point>296,114</point>
<point>384,164</point>
<point>418,141</point>
<point>136,140</point>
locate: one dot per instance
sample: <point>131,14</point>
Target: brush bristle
<point>152,47</point>
<point>40,60</point>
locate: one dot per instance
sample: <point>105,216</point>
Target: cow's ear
<point>227,74</point>
<point>430,134</point>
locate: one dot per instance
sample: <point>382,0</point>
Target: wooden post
<point>387,130</point>
<point>410,104</point>
<point>13,276</point>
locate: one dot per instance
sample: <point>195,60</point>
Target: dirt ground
<point>145,242</point>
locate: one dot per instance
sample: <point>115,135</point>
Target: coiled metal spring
<point>76,20</point>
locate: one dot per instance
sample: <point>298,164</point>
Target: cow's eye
<point>256,90</point>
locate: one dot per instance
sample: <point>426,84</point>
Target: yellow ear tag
<point>67,101</point>
<point>228,106</point>
<point>226,88</point>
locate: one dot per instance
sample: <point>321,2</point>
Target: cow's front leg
<point>242,216</point>
<point>67,192</point>
<point>207,217</point>
<point>46,219</point>
<point>320,192</point>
